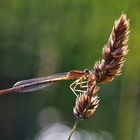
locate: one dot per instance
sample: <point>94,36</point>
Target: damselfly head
<point>87,71</point>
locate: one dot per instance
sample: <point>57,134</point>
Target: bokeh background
<point>43,37</point>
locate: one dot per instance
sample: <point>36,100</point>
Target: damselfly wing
<point>39,83</point>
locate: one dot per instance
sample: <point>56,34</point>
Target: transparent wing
<point>39,83</point>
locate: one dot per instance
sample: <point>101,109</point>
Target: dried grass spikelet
<point>86,104</point>
<point>113,54</point>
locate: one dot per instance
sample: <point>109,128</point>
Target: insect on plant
<point>86,87</point>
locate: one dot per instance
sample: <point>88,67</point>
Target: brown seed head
<point>86,104</point>
<point>113,54</point>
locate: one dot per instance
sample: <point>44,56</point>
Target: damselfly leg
<point>79,86</point>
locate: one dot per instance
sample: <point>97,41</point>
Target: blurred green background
<point>43,37</point>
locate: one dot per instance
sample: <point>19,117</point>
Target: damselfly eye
<point>87,71</point>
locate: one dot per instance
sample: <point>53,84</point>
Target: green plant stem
<point>73,129</point>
